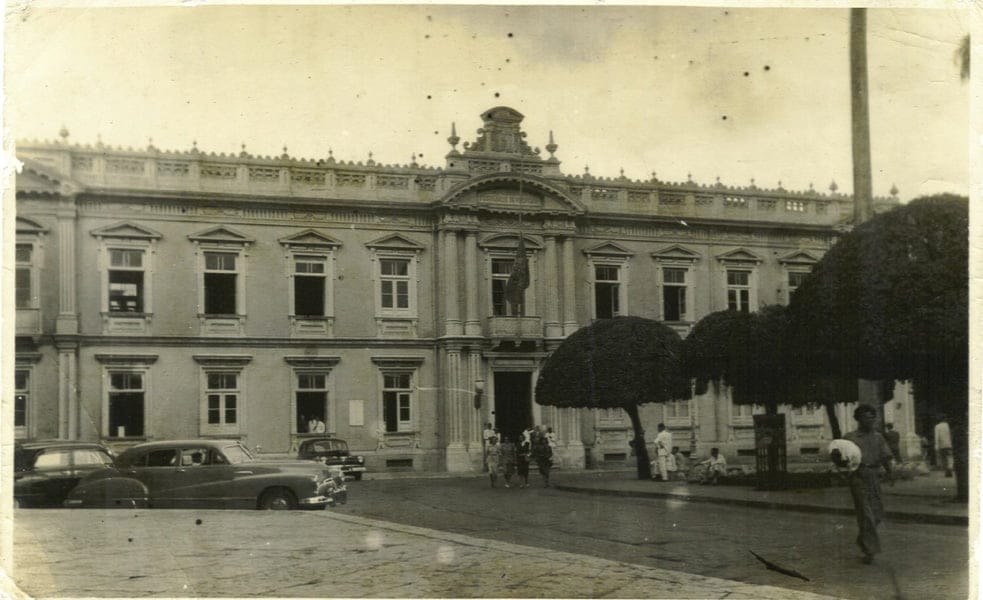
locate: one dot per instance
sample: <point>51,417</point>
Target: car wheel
<point>277,499</point>
<point>357,476</point>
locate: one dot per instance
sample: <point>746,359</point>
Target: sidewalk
<point>186,553</point>
<point>924,499</point>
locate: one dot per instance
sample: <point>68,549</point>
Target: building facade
<point>183,294</point>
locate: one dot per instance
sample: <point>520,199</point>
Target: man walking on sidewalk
<point>663,447</point>
<point>864,481</point>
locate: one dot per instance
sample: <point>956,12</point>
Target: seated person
<point>672,466</point>
<point>678,464</point>
<point>715,467</point>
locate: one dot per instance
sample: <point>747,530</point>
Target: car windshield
<point>330,446</point>
<point>53,459</point>
<point>236,454</point>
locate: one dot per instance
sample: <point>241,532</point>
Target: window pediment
<point>126,359</point>
<point>312,362</point>
<point>222,360</point>
<point>398,362</point>
<point>676,253</point>
<point>798,257</point>
<point>608,250</point>
<point>508,242</point>
<point>29,227</point>
<point>310,238</point>
<point>740,255</point>
<point>221,234</point>
<point>126,230</point>
<point>396,242</point>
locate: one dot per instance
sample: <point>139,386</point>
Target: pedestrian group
<point>512,458</point>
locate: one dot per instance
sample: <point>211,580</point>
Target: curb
<point>892,515</point>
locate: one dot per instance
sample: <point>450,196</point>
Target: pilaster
<point>66,322</point>
<point>553,327</point>
<point>569,298</point>
<point>452,318</point>
<point>457,452</point>
<point>472,323</point>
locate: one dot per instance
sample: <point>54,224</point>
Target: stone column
<point>457,453</point>
<point>569,281</point>
<point>472,323</point>
<point>553,327</point>
<point>66,323</point>
<point>451,275</point>
<point>475,425</point>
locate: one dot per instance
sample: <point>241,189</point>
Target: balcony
<point>515,328</point>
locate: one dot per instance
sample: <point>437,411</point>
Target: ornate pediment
<point>798,257</point>
<point>741,255</point>
<point>395,241</point>
<point>511,192</point>
<point>127,230</point>
<point>608,249</point>
<point>221,234</point>
<point>509,242</point>
<point>310,238</point>
<point>501,133</point>
<point>676,253</point>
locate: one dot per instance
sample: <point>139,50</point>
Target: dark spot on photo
<point>724,117</point>
<point>497,94</point>
<point>510,34</point>
<point>767,68</point>
<point>746,74</point>
<point>197,521</point>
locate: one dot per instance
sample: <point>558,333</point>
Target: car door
<point>154,468</point>
<point>201,479</point>
<point>51,478</point>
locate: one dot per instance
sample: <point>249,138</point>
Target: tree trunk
<point>834,421</point>
<point>960,455</point>
<point>641,450</point>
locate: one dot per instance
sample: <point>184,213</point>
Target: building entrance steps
<point>925,499</point>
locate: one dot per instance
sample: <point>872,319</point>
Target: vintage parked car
<point>208,474</point>
<point>45,472</point>
<point>333,451</point>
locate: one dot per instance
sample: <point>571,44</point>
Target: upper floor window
<point>501,269</point>
<point>310,286</point>
<point>677,409</point>
<point>24,276</point>
<point>739,290</point>
<point>795,279</point>
<point>674,294</point>
<point>607,291</point>
<point>220,283</point>
<point>126,276</point>
<point>394,284</point>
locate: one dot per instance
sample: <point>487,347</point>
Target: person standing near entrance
<point>893,441</point>
<point>864,479</point>
<point>663,447</point>
<point>543,455</point>
<point>506,454</point>
<point>486,435</point>
<point>522,461</point>
<point>492,457</point>
<point>943,445</point>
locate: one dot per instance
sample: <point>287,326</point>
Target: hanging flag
<point>518,281</point>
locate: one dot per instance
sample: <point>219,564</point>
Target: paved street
<point>705,539</point>
<point>457,537</point>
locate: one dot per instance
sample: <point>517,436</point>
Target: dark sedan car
<point>333,452</point>
<point>45,472</point>
<point>208,474</point>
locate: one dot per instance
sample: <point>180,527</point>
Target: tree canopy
<point>890,301</point>
<point>616,363</point>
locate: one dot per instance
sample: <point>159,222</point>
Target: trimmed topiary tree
<point>616,363</point>
<point>890,302</point>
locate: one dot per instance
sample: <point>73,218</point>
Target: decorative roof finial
<point>370,161</point>
<point>689,178</point>
<point>98,140</point>
<point>63,134</point>
<point>453,139</point>
<point>330,155</point>
<point>551,147</point>
<point>833,187</point>
<point>622,172</point>
<point>718,180</point>
<point>654,178</point>
<point>413,160</point>
<point>284,155</point>
<point>894,190</point>
<point>194,146</point>
<point>811,189</point>
<point>150,144</point>
<point>780,185</point>
<point>243,152</point>
<point>752,182</point>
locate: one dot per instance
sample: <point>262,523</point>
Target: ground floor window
<point>312,403</point>
<point>222,399</point>
<point>126,399</point>
<point>22,394</point>
<point>397,401</point>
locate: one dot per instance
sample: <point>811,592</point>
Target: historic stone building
<point>183,294</point>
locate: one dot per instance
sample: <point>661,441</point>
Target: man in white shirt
<point>315,425</point>
<point>943,445</point>
<point>663,448</point>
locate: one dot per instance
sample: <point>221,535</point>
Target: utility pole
<point>859,95</point>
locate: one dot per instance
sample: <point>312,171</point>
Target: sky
<point>706,92</point>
